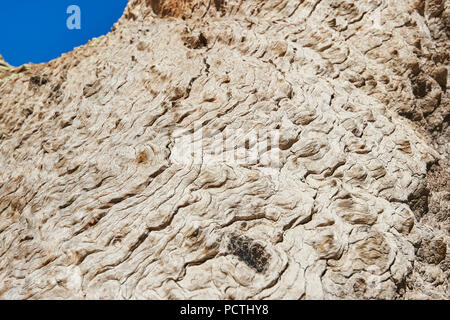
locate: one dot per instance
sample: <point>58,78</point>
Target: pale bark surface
<point>97,202</point>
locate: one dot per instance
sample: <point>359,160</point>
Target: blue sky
<point>36,31</point>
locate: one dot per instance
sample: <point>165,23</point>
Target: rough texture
<point>4,66</point>
<point>100,199</point>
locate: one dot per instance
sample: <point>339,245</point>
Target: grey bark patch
<point>249,251</point>
<point>38,80</point>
